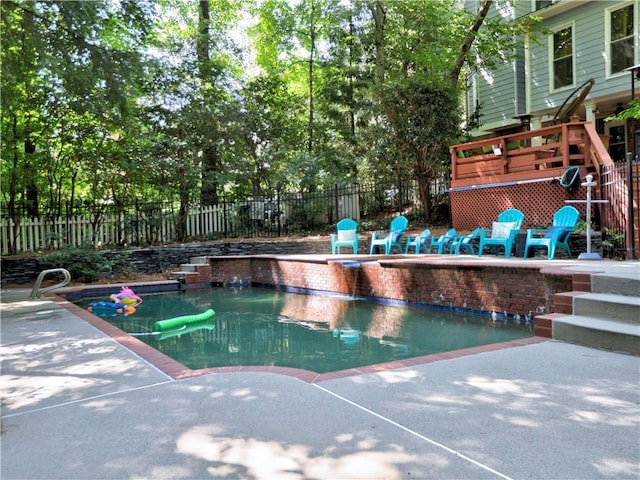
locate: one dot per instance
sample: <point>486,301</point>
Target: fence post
<point>335,197</point>
<point>400,194</point>
<point>67,227</point>
<point>224,216</point>
<point>631,242</point>
<point>278,217</point>
<point>137,223</point>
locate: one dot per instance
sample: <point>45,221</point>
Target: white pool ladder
<point>37,291</point>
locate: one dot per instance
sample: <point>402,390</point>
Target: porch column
<point>536,124</point>
<point>591,109</point>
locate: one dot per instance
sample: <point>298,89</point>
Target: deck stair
<point>197,270</point>
<point>608,317</point>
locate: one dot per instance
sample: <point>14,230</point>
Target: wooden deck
<point>523,170</point>
<point>522,157</point>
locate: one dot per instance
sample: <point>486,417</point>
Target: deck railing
<point>531,155</point>
<point>546,153</point>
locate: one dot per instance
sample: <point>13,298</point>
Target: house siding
<point>501,90</point>
<point>522,86</point>
<point>497,94</point>
<point>588,22</point>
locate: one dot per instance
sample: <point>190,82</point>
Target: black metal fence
<point>619,217</point>
<point>271,215</point>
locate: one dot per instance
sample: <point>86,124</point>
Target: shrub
<point>84,263</point>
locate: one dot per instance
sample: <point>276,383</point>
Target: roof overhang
<point>559,7</point>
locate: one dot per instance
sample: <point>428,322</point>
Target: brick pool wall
<point>517,289</point>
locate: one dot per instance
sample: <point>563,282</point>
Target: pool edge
<point>178,371</point>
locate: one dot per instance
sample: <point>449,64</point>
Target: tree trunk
<point>350,100</point>
<point>424,188</point>
<point>202,44</point>
<point>33,209</point>
<point>312,51</point>
<point>183,213</point>
<point>454,75</point>
<point>210,165</point>
<point>379,18</point>
<point>210,157</point>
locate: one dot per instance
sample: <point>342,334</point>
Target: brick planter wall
<point>522,290</point>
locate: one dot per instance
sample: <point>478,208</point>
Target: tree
<point>272,129</point>
<point>423,120</point>
<point>114,102</point>
<point>64,64</point>
<point>416,47</point>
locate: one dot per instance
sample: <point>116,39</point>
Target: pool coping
<point>178,371</point>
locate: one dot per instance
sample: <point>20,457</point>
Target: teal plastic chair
<point>465,242</point>
<point>392,238</point>
<point>504,232</point>
<point>418,241</point>
<point>564,222</point>
<point>443,241</point>
<point>347,236</point>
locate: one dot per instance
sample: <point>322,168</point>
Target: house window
<point>617,142</point>
<point>621,40</point>
<point>539,4</point>
<point>563,58</point>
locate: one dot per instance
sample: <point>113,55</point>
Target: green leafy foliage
<point>109,103</point>
<point>86,264</point>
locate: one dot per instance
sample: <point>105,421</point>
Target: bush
<point>84,263</point>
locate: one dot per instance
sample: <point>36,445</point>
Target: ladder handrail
<point>37,291</point>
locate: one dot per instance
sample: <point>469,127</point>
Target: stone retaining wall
<point>145,261</point>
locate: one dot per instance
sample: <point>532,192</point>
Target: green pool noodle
<point>178,322</point>
<point>187,329</point>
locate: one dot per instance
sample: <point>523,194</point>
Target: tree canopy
<point>188,101</point>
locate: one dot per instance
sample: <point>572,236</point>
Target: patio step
<point>607,318</point>
<point>593,332</point>
<point>621,308</point>
<point>623,284</point>
<point>198,271</point>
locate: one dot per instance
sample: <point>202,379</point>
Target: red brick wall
<point>517,289</point>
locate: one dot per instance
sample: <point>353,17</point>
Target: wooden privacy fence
<point>34,234</point>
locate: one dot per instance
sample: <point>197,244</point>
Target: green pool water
<point>259,326</point>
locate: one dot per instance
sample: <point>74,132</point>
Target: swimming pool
<point>320,333</point>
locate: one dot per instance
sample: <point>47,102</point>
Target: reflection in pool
<point>260,326</point>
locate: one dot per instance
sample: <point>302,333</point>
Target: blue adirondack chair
<point>443,241</point>
<point>504,232</point>
<point>347,236</point>
<point>564,222</point>
<point>418,241</point>
<point>465,242</point>
<point>391,238</point>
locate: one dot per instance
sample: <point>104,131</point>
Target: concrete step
<point>188,267</point>
<point>199,260</point>
<point>623,284</point>
<point>193,273</point>
<point>180,274</point>
<point>594,332</point>
<point>620,308</point>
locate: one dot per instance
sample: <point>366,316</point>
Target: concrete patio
<point>78,405</point>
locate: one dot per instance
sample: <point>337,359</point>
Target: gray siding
<point>503,98</point>
<point>588,21</point>
<point>497,94</point>
<point>501,91</point>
